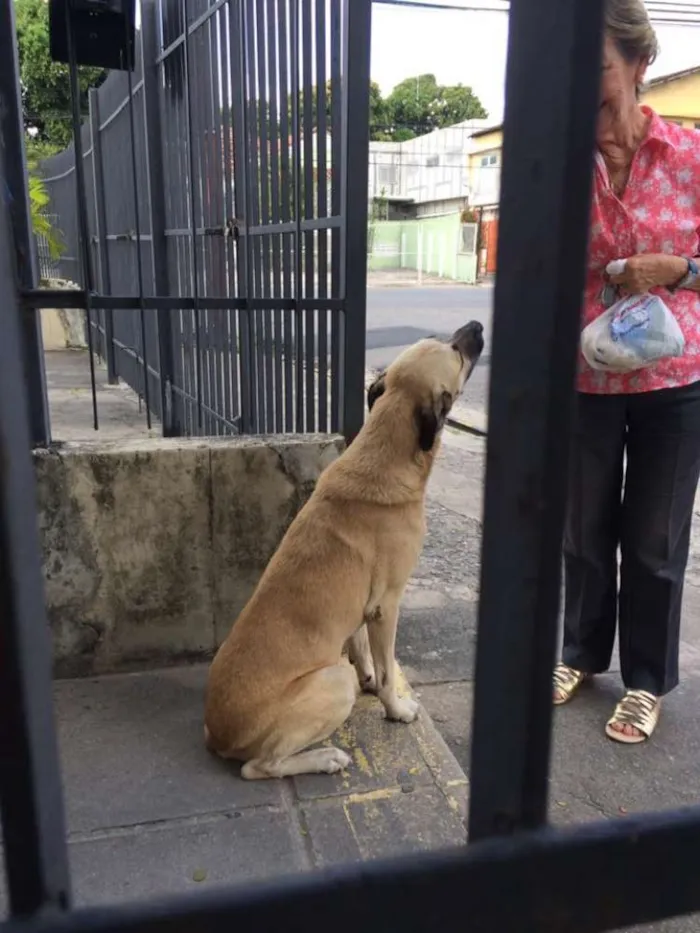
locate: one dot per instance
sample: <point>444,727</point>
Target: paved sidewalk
<point>409,278</point>
<point>120,416</point>
<point>151,812</point>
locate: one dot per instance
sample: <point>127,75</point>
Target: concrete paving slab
<point>174,858</point>
<point>438,645</point>
<point>150,812</point>
<point>133,753</point>
<point>120,414</point>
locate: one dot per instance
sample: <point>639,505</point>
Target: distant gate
<point>220,205</point>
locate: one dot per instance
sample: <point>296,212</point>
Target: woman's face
<point>618,91</point>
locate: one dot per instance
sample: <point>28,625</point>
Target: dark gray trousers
<point>644,508</point>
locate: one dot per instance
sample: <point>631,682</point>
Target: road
<point>397,317</point>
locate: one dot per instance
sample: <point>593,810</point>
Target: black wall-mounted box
<point>100,28</point>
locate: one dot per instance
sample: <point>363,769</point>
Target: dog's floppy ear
<point>430,419</point>
<point>375,391</point>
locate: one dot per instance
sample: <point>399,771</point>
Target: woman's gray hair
<point>627,23</point>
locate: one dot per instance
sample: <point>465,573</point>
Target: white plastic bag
<point>635,332</point>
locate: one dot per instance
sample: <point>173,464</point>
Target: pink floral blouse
<point>659,213</point>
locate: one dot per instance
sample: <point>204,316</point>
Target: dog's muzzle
<point>469,340</point>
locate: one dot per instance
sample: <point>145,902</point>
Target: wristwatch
<point>689,278</point>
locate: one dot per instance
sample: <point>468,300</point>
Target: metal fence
<point>586,880</point>
<point>217,176</point>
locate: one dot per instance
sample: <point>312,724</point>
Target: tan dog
<point>280,683</point>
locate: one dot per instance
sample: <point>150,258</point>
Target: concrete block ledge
<point>151,547</point>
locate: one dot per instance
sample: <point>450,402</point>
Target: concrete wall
<point>62,329</point>
<point>151,548</point>
<point>431,244</point>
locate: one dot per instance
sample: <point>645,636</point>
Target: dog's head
<point>431,374</point>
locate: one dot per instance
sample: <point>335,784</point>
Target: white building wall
<point>434,167</point>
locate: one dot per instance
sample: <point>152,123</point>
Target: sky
<point>470,48</point>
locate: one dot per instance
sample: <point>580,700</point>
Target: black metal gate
<point>527,877</point>
<point>221,214</point>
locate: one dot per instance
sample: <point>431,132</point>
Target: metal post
<point>15,191</point>
<point>547,169</point>
<point>130,65</point>
<point>33,830</point>
<point>184,7</point>
<point>172,426</point>
<point>102,243</point>
<point>83,228</point>
<point>354,185</point>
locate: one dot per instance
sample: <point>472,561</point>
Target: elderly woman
<point>636,448</point>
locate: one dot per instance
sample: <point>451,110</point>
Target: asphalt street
<point>398,317</point>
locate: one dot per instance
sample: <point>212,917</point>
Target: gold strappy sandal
<point>639,709</point>
<point>567,680</point>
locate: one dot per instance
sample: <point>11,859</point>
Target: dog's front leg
<point>382,639</point>
<point>360,655</point>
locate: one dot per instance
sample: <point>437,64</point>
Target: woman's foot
<point>635,718</point>
<point>567,680</point>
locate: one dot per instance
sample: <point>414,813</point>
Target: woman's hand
<point>650,270</point>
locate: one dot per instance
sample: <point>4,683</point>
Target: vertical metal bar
<point>172,426</point>
<point>308,186</point>
<point>272,78</point>
<point>242,204</point>
<point>336,163</point>
<point>264,168</point>
<point>180,198</point>
<point>286,211</point>
<point>201,74</point>
<point>101,225</point>
<point>199,67</point>
<point>31,804</point>
<point>298,247</point>
<point>254,218</point>
<point>130,65</point>
<point>322,211</point>
<point>218,246</point>
<point>193,214</point>
<point>81,201</point>
<point>230,349</point>
<point>551,100</point>
<point>357,36</point>
<point>12,138</point>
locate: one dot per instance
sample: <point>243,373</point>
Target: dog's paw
<point>335,760</point>
<point>405,709</point>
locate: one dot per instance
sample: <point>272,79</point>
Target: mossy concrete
<point>152,547</point>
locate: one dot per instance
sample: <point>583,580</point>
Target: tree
<point>45,84</point>
<point>377,109</point>
<point>420,105</point>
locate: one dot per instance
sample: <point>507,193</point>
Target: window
<point>387,175</point>
<point>432,161</point>
<point>467,243</point>
<point>488,160</point>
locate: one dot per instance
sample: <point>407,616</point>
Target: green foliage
<point>420,105</point>
<point>39,149</point>
<point>38,202</point>
<point>416,106</point>
<point>45,83</point>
